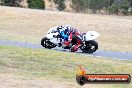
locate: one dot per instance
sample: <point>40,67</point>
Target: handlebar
<point>57,36</point>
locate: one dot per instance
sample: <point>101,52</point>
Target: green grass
<point>55,65</point>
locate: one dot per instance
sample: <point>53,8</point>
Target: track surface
<point>98,53</point>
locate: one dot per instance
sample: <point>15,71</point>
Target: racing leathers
<point>75,39</point>
<point>70,35</point>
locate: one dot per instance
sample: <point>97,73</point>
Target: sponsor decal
<point>83,78</point>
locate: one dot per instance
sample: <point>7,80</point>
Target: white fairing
<point>53,39</point>
<point>53,32</point>
<point>91,35</point>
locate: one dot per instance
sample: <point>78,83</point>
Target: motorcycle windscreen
<point>91,35</point>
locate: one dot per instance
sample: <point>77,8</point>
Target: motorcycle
<point>88,45</point>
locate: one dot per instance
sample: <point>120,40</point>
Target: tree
<point>36,4</point>
<point>78,5</point>
<point>124,7</point>
<point>109,4</point>
<point>60,4</point>
<point>113,9</point>
<point>0,2</point>
<point>14,3</point>
<point>130,4</point>
<point>95,5</point>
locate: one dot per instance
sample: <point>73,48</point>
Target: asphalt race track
<point>98,53</point>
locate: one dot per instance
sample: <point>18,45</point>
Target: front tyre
<point>89,46</point>
<point>45,42</point>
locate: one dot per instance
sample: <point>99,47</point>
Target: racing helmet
<point>66,29</point>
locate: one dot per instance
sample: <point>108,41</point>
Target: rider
<point>69,34</point>
<point>63,32</point>
<point>76,39</point>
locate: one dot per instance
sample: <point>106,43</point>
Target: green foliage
<point>60,4</point>
<point>124,7</point>
<point>113,6</point>
<point>36,4</point>
<point>96,4</point>
<point>7,2</point>
<point>130,4</point>
<point>93,4</point>
<point>113,9</point>
<point>78,5</point>
<point>110,2</point>
<point>14,3</point>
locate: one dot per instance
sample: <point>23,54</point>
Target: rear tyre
<point>45,42</point>
<point>90,46</point>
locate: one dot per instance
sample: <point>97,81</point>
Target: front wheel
<point>89,46</point>
<point>45,42</point>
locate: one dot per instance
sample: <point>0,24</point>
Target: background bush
<point>13,3</point>
<point>36,4</point>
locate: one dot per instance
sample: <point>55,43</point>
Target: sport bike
<point>88,45</point>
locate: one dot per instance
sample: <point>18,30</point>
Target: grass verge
<point>58,66</point>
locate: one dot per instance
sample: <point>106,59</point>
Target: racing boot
<point>76,46</point>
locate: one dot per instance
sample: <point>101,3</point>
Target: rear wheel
<point>45,42</point>
<point>90,46</point>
